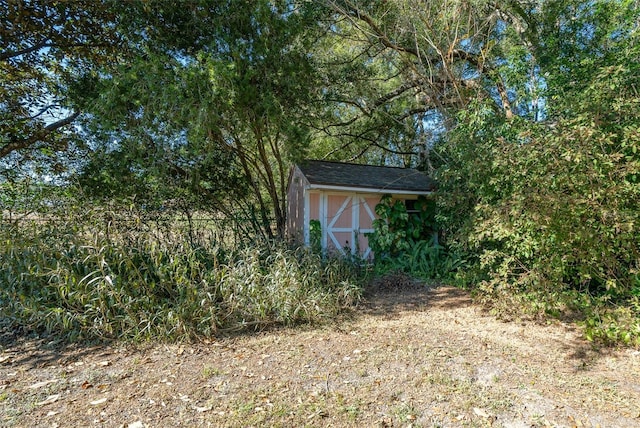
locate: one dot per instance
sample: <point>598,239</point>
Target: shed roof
<point>382,178</point>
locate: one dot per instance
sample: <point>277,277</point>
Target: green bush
<point>274,284</point>
<point>547,217</point>
<point>407,242</point>
<point>73,278</point>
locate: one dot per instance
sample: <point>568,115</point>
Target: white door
<point>348,217</point>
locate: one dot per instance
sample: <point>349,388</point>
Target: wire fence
<point>198,230</point>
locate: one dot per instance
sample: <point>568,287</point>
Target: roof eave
<point>368,189</point>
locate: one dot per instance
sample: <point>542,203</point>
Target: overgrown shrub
<point>68,276</point>
<point>547,217</point>
<point>407,241</point>
<point>274,284</point>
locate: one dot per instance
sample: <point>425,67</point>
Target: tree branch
<point>19,144</point>
<point>11,54</point>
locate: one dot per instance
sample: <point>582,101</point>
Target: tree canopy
<point>550,207</point>
<point>230,81</point>
<point>47,50</point>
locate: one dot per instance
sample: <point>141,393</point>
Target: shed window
<point>411,205</point>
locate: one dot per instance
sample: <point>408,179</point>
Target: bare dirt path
<point>407,358</point>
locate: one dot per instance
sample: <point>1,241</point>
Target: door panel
<point>339,211</point>
<point>349,218</point>
<point>339,222</point>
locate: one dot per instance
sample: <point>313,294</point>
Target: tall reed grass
<point>90,277</point>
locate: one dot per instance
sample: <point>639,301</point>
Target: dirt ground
<point>405,358</point>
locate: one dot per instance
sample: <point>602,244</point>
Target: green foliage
<point>315,236</point>
<point>19,198</point>
<point>556,213</point>
<point>406,241</point>
<point>396,230</point>
<point>85,275</point>
<point>204,105</point>
<point>272,284</point>
<point>546,214</point>
<point>48,49</point>
<point>216,86</point>
<point>619,325</point>
<point>160,175</point>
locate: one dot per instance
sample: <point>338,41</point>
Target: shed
<point>341,197</point>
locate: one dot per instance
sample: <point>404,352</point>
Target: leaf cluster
<point>407,241</point>
<point>47,48</point>
<point>226,82</point>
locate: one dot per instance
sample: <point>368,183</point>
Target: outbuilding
<point>336,201</point>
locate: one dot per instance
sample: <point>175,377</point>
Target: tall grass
<point>87,277</point>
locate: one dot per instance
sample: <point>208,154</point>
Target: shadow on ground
<point>33,350</point>
<point>393,296</point>
<point>389,303</point>
<point>387,298</point>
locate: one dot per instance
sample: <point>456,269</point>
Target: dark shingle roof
<point>365,176</point>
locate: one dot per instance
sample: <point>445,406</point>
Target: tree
<point>47,49</point>
<point>550,207</point>
<point>231,78</point>
<point>419,63</point>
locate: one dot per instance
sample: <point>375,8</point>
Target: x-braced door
<point>349,217</point>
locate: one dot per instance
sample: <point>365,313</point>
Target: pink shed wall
<point>343,219</point>
<point>366,222</point>
<point>314,206</point>
<point>295,206</point>
<point>343,238</point>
